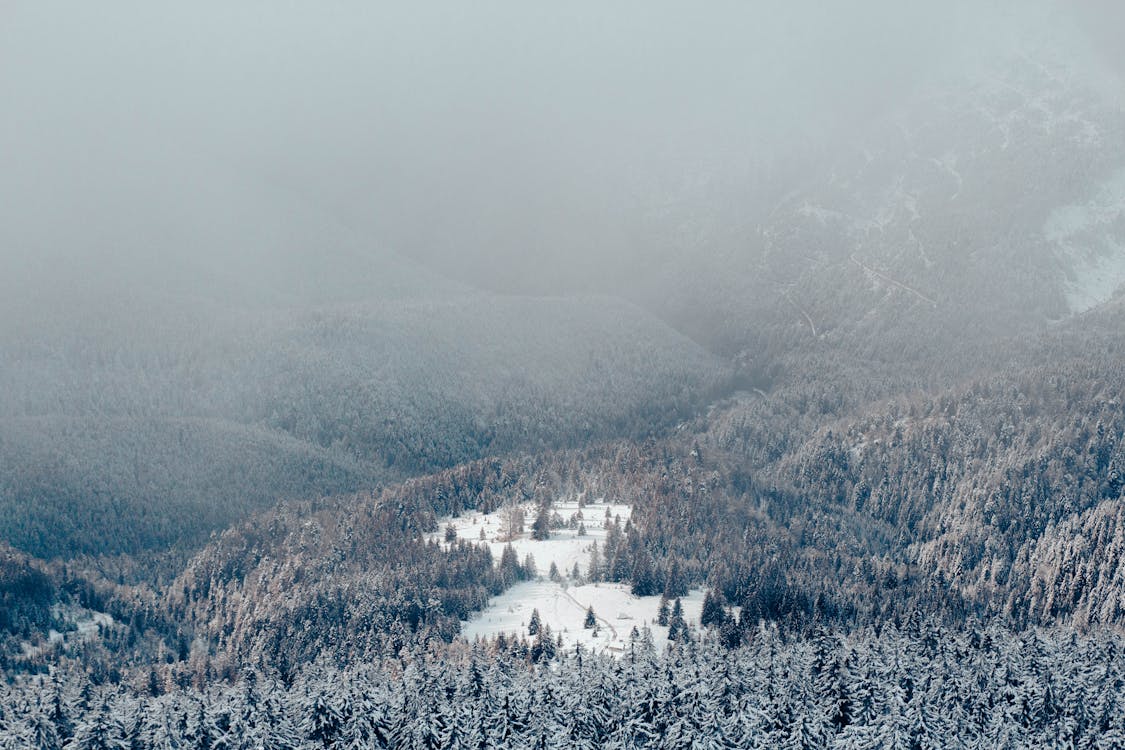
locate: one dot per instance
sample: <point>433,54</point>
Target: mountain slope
<point>137,422</point>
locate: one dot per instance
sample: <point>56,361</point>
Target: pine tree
<point>534,623</point>
<point>510,570</point>
<point>675,583</point>
<point>99,731</point>
<point>644,577</point>
<point>594,569</point>
<point>544,648</point>
<point>323,723</point>
<point>677,627</point>
<point>713,613</point>
<point>662,614</point>
<point>591,620</point>
<point>43,734</point>
<point>541,529</point>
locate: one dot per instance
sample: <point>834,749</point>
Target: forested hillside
<point>219,412</point>
<point>311,436</point>
<point>982,208</point>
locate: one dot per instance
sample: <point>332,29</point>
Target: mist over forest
<point>541,149</point>
<point>506,374</point>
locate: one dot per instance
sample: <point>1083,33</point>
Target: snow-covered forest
<point>914,686</point>
<point>580,375</point>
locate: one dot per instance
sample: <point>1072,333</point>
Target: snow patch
<point>1089,240</point>
<point>87,624</point>
<point>821,214</point>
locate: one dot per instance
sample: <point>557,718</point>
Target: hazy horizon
<point>543,149</point>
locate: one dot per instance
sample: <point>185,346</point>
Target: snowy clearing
<point>562,605</point>
<point>563,609</point>
<point>564,548</point>
<point>86,624</point>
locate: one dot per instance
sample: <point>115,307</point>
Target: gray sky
<point>523,144</point>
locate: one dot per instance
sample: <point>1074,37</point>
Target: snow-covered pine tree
<point>534,623</point>
<point>713,613</point>
<point>663,613</point>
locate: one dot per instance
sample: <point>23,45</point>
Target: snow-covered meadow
<point>562,604</point>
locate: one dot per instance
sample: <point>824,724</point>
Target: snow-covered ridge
<point>562,603</point>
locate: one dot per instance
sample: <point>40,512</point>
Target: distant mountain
<point>138,417</point>
<point>985,208</point>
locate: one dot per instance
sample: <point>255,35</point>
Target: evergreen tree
<point>534,623</point>
<point>510,570</point>
<point>663,613</point>
<point>591,620</point>
<point>594,568</point>
<point>713,613</point>
<point>644,576</point>
<point>323,723</point>
<point>677,627</point>
<point>544,647</point>
<point>541,529</point>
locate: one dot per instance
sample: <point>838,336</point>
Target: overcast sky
<point>498,139</point>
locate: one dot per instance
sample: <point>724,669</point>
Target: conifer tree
<point>534,623</point>
<point>510,570</point>
<point>541,529</point>
<point>594,569</point>
<point>677,627</point>
<point>644,577</point>
<point>713,613</point>
<point>663,613</point>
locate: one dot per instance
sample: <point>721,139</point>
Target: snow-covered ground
<point>562,605</point>
<point>563,608</point>
<point>1090,240</point>
<point>85,621</point>
<point>564,548</point>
